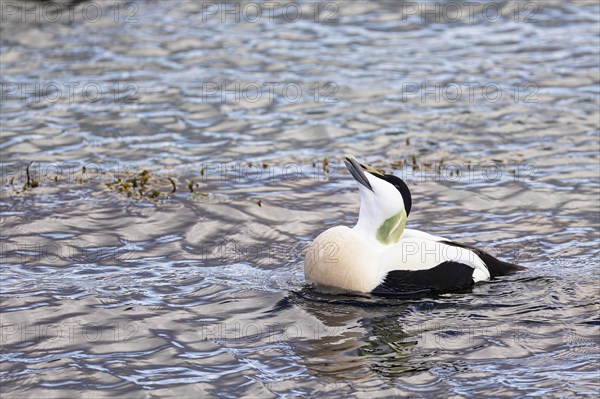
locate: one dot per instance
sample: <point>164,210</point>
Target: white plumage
<point>379,255</point>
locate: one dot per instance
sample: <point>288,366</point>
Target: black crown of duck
<point>379,255</point>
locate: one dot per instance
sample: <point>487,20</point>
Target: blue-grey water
<point>182,155</point>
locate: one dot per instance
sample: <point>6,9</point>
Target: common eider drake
<point>380,256</point>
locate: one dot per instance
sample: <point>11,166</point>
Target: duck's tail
<point>495,266</point>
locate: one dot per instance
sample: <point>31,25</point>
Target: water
<point>202,293</point>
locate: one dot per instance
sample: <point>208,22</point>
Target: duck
<point>380,256</point>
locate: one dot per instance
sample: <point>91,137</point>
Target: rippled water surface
<point>197,289</point>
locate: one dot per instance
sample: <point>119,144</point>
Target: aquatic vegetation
<point>146,185</point>
<point>31,182</point>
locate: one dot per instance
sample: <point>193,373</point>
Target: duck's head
<point>385,203</point>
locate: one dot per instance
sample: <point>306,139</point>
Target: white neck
<point>382,216</point>
<point>366,228</point>
<point>376,226</point>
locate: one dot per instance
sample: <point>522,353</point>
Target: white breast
<point>339,258</point>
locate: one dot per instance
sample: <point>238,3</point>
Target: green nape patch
<point>391,230</point>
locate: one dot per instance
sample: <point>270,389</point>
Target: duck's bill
<point>357,171</point>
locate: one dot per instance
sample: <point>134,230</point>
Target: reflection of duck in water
<point>378,255</point>
<point>351,338</point>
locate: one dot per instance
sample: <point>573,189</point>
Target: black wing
<point>445,277</point>
<point>495,266</point>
